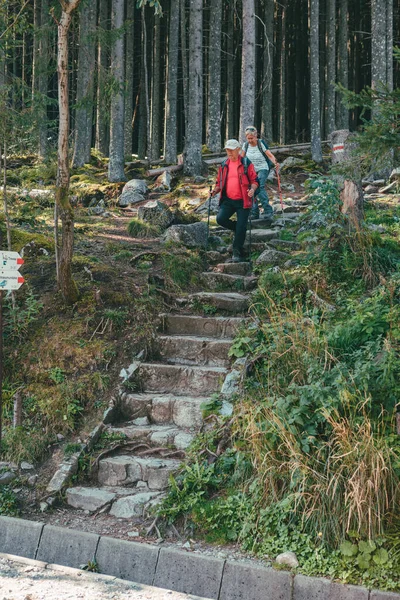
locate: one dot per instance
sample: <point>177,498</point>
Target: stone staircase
<point>160,421</point>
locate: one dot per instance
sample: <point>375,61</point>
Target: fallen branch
<point>156,172</point>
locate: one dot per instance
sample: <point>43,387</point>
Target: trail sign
<point>10,280</point>
<point>10,261</point>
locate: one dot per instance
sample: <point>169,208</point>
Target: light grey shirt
<point>256,157</point>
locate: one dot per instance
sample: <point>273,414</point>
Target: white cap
<point>232,145</point>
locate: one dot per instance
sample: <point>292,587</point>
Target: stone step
<point>242,268</point>
<point>219,281</point>
<point>181,379</point>
<point>182,411</point>
<point>262,235</point>
<point>131,470</point>
<point>216,327</point>
<point>260,224</point>
<point>232,302</point>
<point>125,502</point>
<point>157,435</point>
<point>194,350</point>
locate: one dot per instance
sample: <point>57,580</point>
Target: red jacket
<point>246,180</point>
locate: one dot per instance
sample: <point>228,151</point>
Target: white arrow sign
<point>10,280</point>
<point>10,261</point>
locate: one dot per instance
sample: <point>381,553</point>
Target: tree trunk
<point>192,155</point>
<point>42,71</point>
<point>353,202</point>
<point>35,49</point>
<point>268,70</point>
<point>214,73</point>
<point>66,283</point>
<point>316,149</point>
<point>185,65</point>
<point>171,97</point>
<point>85,85</point>
<point>331,67</point>
<point>102,108</point>
<point>230,73</point>
<point>343,68</point>
<point>129,72</point>
<point>382,43</point>
<point>116,164</point>
<point>248,83</point>
<point>155,145</point>
<point>282,76</point>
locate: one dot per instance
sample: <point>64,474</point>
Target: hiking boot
<point>236,257</point>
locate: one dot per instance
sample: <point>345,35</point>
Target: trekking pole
<point>208,216</point>
<point>280,192</point>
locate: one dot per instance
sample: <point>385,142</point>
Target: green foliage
<point>182,270</point>
<point>22,317</point>
<point>9,505</point>
<point>72,448</point>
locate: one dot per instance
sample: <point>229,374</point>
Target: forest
<point>149,387</point>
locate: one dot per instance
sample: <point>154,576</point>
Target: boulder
<point>214,206</point>
<point>287,558</point>
<point>156,213</point>
<point>192,236</point>
<point>7,477</point>
<point>290,162</point>
<point>134,191</point>
<point>272,257</point>
<point>97,207</point>
<point>91,499</point>
<point>395,174</point>
<point>163,182</point>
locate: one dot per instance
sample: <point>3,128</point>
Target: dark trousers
<point>228,208</point>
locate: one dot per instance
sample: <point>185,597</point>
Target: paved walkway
<point>24,579</point>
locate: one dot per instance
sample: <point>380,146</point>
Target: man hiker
<point>237,182</point>
<point>262,158</point>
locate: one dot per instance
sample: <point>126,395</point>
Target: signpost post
<point>10,279</point>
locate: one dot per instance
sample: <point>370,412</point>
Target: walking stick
<point>280,191</point>
<point>208,216</point>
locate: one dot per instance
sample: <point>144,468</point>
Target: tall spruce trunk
<point>316,150</point>
<point>230,73</point>
<point>342,117</point>
<point>85,84</point>
<point>42,78</point>
<point>155,145</point>
<point>268,70</point>
<point>330,95</point>
<point>184,54</point>
<point>214,72</point>
<point>248,83</point>
<point>282,76</point>
<point>192,155</point>
<point>102,108</point>
<point>382,43</point>
<point>129,72</point>
<point>171,88</point>
<point>116,163</point>
<point>66,283</point>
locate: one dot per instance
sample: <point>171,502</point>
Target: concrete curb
<point>168,568</point>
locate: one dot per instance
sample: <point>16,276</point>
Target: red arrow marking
<point>20,261</point>
<point>21,280</point>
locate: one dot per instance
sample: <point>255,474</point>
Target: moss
<point>19,239</point>
<point>141,229</point>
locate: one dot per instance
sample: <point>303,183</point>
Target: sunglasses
<point>250,130</point>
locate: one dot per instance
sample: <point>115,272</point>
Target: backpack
<point>245,162</point>
<point>262,146</point>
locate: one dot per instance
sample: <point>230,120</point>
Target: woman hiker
<point>237,182</point>
<point>258,153</point>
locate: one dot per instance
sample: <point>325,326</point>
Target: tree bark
<point>282,76</point>
<point>330,94</point>
<point>214,73</point>
<point>230,73</point>
<point>85,85</point>
<point>192,155</point>
<point>102,108</point>
<point>353,202</point>
<point>171,90</point>
<point>382,43</point>
<point>316,149</point>
<point>155,145</point>
<point>129,73</point>
<point>66,283</point>
<point>342,117</point>
<point>185,65</point>
<point>42,79</point>
<point>268,70</point>
<point>248,83</point>
<point>116,163</point>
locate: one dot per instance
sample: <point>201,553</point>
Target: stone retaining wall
<point>168,568</point>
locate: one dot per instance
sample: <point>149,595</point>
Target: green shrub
<point>141,229</point>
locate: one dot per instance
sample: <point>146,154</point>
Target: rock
<point>156,213</point>
<point>133,534</point>
<point>97,209</point>
<point>134,191</point>
<point>32,249</point>
<point>287,558</point>
<point>32,480</point>
<point>39,194</point>
<point>193,235</point>
<point>395,174</point>
<point>226,409</point>
<point>371,189</point>
<point>290,162</point>
<point>214,206</point>
<point>200,179</point>
<point>272,257</point>
<point>163,182</point>
<point>60,437</point>
<point>7,477</point>
<point>195,201</point>
<point>43,506</point>
<point>232,383</point>
<point>91,499</point>
<point>127,373</point>
<point>377,228</point>
<point>131,506</point>
<point>25,466</point>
